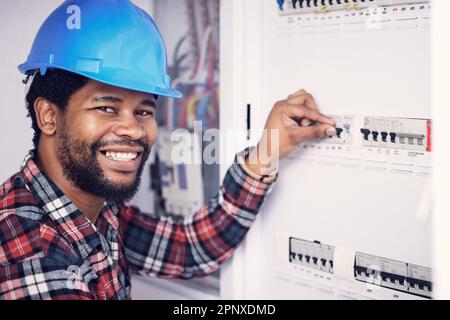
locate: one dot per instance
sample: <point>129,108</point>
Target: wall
<point>19,20</point>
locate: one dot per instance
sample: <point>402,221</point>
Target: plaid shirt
<point>50,250</point>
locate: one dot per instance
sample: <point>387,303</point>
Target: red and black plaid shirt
<point>50,250</point>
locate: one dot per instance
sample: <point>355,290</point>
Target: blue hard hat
<point>111,41</point>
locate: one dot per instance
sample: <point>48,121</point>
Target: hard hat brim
<point>116,78</point>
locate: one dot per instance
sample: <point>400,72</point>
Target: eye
<point>144,113</point>
<point>106,109</point>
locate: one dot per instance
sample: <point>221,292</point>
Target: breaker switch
<point>393,136</point>
<point>420,141</point>
<point>384,135</point>
<point>375,135</point>
<point>339,132</point>
<point>366,133</point>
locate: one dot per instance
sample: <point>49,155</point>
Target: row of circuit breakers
<point>383,272</point>
<point>323,6</point>
<point>384,132</point>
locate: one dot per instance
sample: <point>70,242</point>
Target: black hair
<point>57,86</point>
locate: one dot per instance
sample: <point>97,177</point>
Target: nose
<point>128,126</point>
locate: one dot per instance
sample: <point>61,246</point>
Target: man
<point>65,230</point>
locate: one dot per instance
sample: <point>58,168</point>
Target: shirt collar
<point>69,220</point>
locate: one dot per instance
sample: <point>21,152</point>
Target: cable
<point>196,77</point>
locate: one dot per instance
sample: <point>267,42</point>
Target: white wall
<point>19,22</point>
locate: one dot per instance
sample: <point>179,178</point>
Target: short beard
<point>81,167</point>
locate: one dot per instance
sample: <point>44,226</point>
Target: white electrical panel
<point>362,197</point>
<point>181,181</point>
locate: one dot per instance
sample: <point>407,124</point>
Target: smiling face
<point>104,138</point>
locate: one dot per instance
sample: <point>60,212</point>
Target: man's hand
<point>292,121</point>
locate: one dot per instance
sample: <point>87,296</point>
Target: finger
<point>305,122</point>
<point>303,98</point>
<point>297,93</point>
<point>318,131</point>
<point>296,111</point>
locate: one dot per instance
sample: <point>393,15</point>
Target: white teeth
<point>120,156</point>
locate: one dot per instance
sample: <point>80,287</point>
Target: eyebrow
<point>149,103</point>
<point>107,99</point>
<point>146,102</point>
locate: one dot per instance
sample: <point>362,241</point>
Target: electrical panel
<point>193,59</point>
<point>183,184</point>
<point>364,193</point>
<point>181,181</point>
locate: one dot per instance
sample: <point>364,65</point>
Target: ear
<point>46,116</point>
